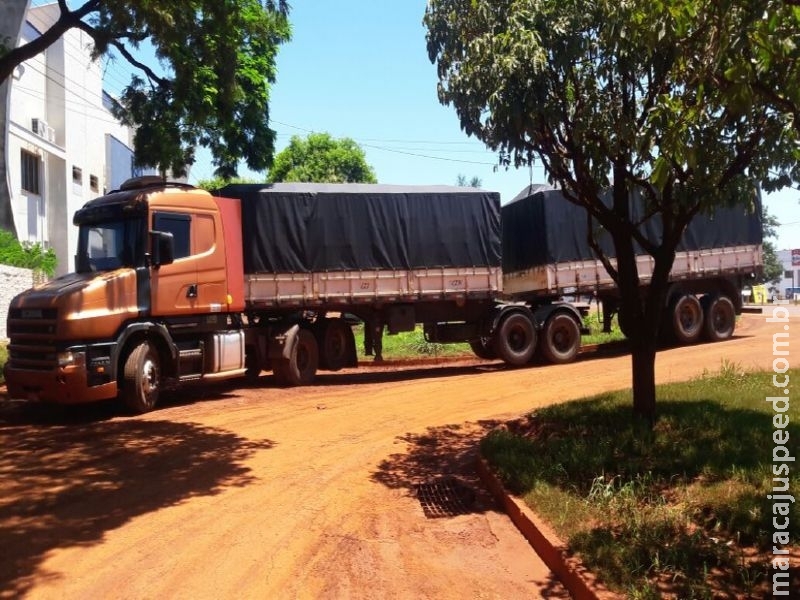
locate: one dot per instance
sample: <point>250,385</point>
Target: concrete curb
<point>581,583</point>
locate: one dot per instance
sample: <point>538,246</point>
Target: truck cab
<point>152,301</point>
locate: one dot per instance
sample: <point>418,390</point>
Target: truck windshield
<point>110,245</point>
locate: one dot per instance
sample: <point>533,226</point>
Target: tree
<point>321,158</point>
<point>218,60</point>
<point>220,182</point>
<point>773,269</point>
<point>621,99</point>
<point>462,181</point>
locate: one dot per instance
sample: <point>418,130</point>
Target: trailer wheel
<point>483,348</point>
<point>687,319</point>
<point>561,340</point>
<point>720,318</point>
<point>335,342</point>
<point>301,368</point>
<point>141,379</point>
<point>515,340</point>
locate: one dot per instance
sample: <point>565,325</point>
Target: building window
<point>77,175</point>
<point>30,172</point>
<point>788,274</point>
<point>93,183</point>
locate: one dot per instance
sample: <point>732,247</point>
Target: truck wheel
<point>687,319</point>
<point>141,379</point>
<point>335,342</point>
<point>301,368</point>
<point>482,347</point>
<point>515,340</point>
<point>561,339</point>
<point>720,318</point>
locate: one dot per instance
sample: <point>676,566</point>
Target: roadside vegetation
<point>26,255</point>
<point>680,510</point>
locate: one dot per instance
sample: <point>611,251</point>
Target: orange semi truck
<point>174,285</point>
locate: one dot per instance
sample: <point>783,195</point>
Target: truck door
<point>174,287</point>
<point>196,282</point>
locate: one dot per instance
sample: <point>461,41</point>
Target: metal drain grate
<point>445,498</point>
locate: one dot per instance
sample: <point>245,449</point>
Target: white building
<point>790,283</point>
<point>63,146</point>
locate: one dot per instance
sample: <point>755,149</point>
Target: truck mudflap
<point>282,342</point>
<point>66,385</point>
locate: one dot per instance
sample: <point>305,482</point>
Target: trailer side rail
<point>368,287</point>
<point>587,276</point>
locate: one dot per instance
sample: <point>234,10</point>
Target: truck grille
<point>32,333</point>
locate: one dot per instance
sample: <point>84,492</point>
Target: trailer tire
<point>515,340</point>
<point>301,368</point>
<point>483,348</point>
<point>141,379</point>
<point>561,339</point>
<point>720,318</point>
<point>335,343</point>
<point>687,319</point>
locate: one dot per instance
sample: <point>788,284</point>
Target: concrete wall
<point>13,280</point>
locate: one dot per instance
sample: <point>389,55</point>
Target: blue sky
<point>359,69</point>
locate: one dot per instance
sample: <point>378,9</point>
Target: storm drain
<point>445,498</point>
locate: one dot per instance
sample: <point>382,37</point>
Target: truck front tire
<point>141,382</point>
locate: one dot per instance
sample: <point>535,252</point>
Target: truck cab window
<point>179,225</point>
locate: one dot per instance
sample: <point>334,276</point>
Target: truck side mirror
<point>163,245</point>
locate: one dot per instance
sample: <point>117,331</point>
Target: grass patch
<point>681,510</point>
<point>594,321</point>
<point>411,344</point>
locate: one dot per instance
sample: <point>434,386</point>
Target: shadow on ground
<point>442,456</point>
<point>67,484</point>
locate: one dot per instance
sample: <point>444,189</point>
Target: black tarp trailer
<point>395,255</point>
<point>546,254</point>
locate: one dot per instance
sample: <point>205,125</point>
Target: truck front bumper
<point>63,385</point>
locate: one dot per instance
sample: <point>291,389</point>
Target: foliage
<point>218,60</point>
<point>648,99</point>
<point>462,181</point>
<point>219,182</point>
<point>661,509</point>
<point>26,255</point>
<point>321,158</point>
<point>773,269</point>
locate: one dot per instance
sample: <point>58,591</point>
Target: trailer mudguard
<point>282,341</point>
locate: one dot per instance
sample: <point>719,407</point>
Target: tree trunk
<point>643,363</point>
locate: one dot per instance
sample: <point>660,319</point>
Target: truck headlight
<point>68,359</point>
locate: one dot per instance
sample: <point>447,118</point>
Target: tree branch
<point>66,21</point>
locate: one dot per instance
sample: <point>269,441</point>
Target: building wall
<point>791,273</point>
<point>62,87</point>
<point>13,281</point>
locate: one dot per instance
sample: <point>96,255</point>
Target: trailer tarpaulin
<point>540,226</point>
<point>305,227</point>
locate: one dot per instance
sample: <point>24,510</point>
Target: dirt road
<point>300,493</point>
